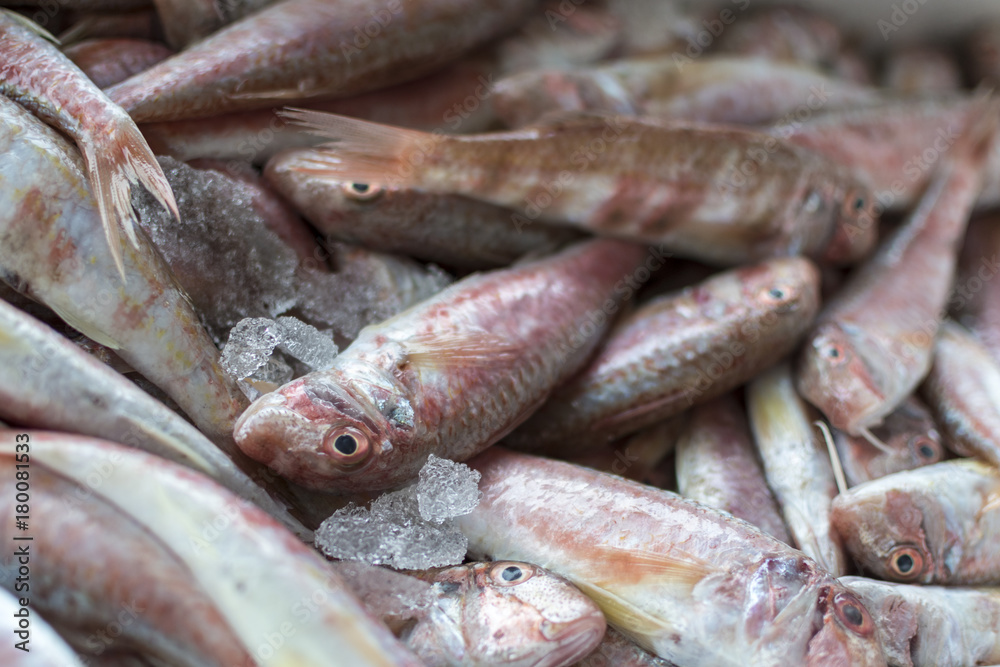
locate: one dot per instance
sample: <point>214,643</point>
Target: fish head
<point>835,377</point>
<point>328,430</point>
<point>892,532</point>
<point>525,615</point>
<point>855,230</point>
<point>782,285</point>
<point>847,635</point>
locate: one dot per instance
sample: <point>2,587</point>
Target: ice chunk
<point>446,489</point>
<point>306,343</point>
<point>250,345</point>
<point>412,528</point>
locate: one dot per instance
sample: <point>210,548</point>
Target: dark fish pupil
<point>853,615</point>
<point>360,187</point>
<point>834,353</point>
<point>904,563</point>
<point>346,445</point>
<point>926,451</point>
<point>511,573</point>
<point>776,293</point>
<point>859,204</point>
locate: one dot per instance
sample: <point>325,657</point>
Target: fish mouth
<point>574,641</point>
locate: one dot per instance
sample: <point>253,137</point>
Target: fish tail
<point>113,167</point>
<point>362,151</point>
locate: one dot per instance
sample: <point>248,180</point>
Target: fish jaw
<point>834,377</point>
<point>295,430</point>
<point>848,636</point>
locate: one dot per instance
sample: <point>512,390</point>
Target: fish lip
<point>575,649</point>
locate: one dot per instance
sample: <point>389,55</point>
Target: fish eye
<point>361,191</point>
<point>926,448</point>
<point>347,446</point>
<point>855,204</point>
<point>853,614</point>
<point>511,574</point>
<point>906,563</point>
<point>776,295</point>
<point>834,353</point>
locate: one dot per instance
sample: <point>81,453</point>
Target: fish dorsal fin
<point>85,328</point>
<point>446,348</point>
<point>25,22</point>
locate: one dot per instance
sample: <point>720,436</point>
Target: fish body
<point>617,650</point>
<point>108,61</point>
<point>677,350</point>
<point>872,343</point>
<point>316,48</point>
<point>690,583</point>
<point>939,524</point>
<point>717,466</point>
<point>449,376</point>
<point>922,70</point>
<point>35,74</point>
<point>51,249</point>
<point>675,184</point>
<point>909,433</point>
<point>795,34</point>
<point>452,230</point>
<point>933,626</point>
<point>49,648</point>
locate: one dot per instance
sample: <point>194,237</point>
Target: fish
<point>137,24</point>
<point>449,376</point>
<point>451,230</point>
<point>115,155</point>
<point>42,646</point>
<point>692,584</point>
<point>910,438</point>
<point>796,465</point>
<point>975,297</point>
<point>617,650</point>
<point>51,250</point>
<point>984,53</point>
<point>47,382</point>
<point>872,342</point>
<point>237,230</point>
<point>495,614</point>
<point>649,27</point>
<point>316,49</point>
<point>939,524</point>
<point>921,70</point>
<point>712,89</point>
<point>933,626</point>
<point>717,466</point>
<point>108,61</point>
<point>676,351</point>
<point>963,390</point>
<point>784,33</point>
<point>643,456</point>
<point>652,181</point>
<point>210,571</point>
<point>186,22</point>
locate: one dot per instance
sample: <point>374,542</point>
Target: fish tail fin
<point>364,152</point>
<point>113,168</point>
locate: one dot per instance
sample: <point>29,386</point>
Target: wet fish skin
<point>312,53</point>
<point>617,650</point>
<point>939,524</point>
<point>52,251</point>
<point>36,75</point>
<point>83,584</point>
<point>717,466</point>
<point>678,350</point>
<point>933,626</point>
<point>909,431</point>
<point>794,34</point>
<point>257,575</point>
<point>47,648</point>
<point>796,464</point>
<point>108,61</point>
<point>683,580</point>
<point>449,376</point>
<point>872,343</point>
<point>963,389</point>
<point>506,613</point>
<point>452,230</point>
<point>645,179</point>
<point>47,382</point>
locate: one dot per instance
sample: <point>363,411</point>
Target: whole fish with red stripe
<point>36,75</point>
<point>449,376</point>
<point>693,584</point>
<point>675,184</point>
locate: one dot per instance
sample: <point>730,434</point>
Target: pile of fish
<point>495,333</point>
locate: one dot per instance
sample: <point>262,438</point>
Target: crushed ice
<point>412,528</point>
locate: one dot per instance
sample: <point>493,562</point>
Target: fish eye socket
<point>362,191</point>
<point>853,614</point>
<point>510,574</point>
<point>855,204</point>
<point>347,446</point>
<point>775,295</point>
<point>834,353</point>
<point>926,448</point>
<point>906,563</point>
